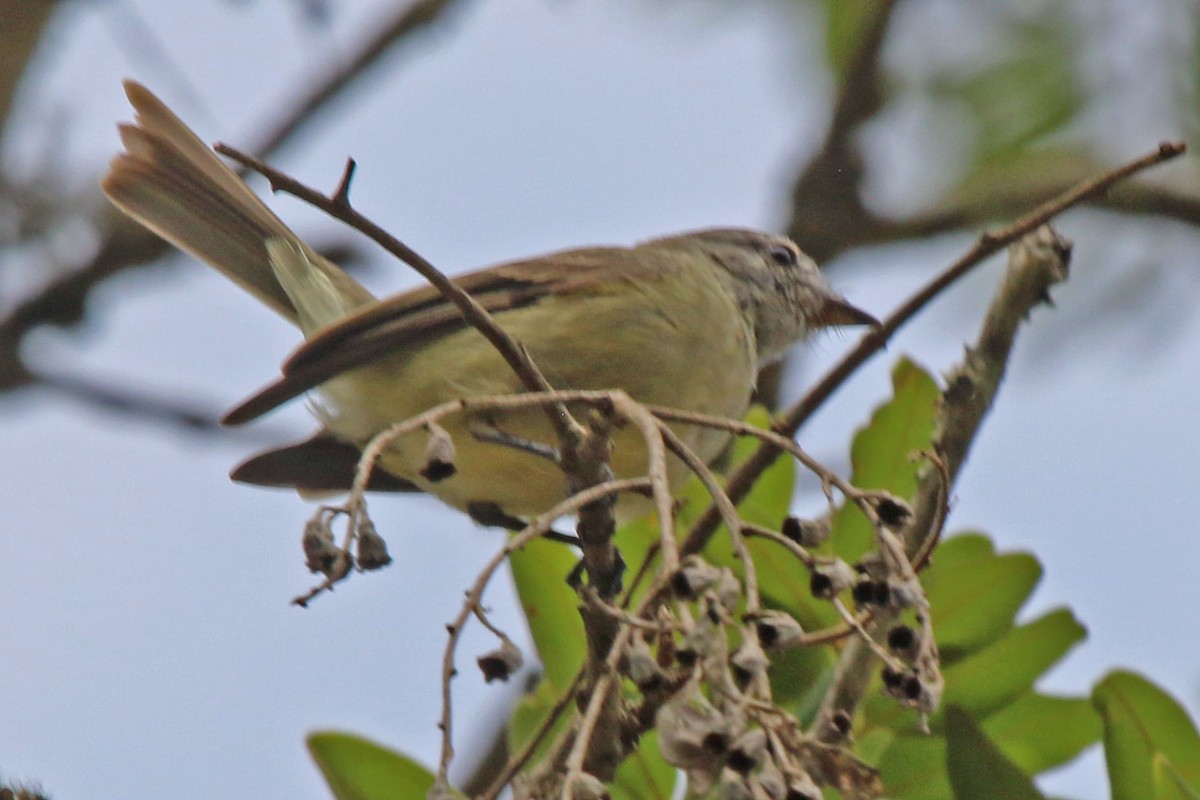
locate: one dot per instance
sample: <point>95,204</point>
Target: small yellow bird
<point>684,321</point>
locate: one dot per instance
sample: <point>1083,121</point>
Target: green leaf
<point>976,766</point>
<point>882,452</point>
<point>989,678</point>
<point>644,775</point>
<point>531,710</point>
<point>799,677</point>
<point>782,580</point>
<point>1169,784</point>
<point>540,572</point>
<point>914,768</point>
<point>1039,732</point>
<point>1143,726</point>
<point>1026,97</point>
<point>963,547</point>
<point>769,500</point>
<point>359,769</point>
<point>846,22</point>
<point>975,602</point>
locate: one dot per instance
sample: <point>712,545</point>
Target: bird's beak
<point>836,311</point>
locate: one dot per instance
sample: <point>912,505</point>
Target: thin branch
<point>539,526</point>
<point>1036,262</point>
<point>583,454</point>
<point>874,340</point>
<point>127,245</point>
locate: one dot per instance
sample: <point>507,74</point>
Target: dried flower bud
<point>371,550</point>
<point>831,579</point>
<point>892,511</point>
<point>905,686</point>
<point>873,566</point>
<point>698,641</point>
<point>500,663</point>
<point>692,734</point>
<point>906,594</point>
<point>871,593</point>
<point>747,751</point>
<point>749,662</point>
<point>439,455</point>
<point>728,590</point>
<point>805,532</point>
<point>643,667</point>
<point>777,630</point>
<point>694,577</point>
<point>902,640</point>
<point>320,552</point>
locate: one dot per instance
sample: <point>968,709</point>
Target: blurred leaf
<point>782,580</point>
<point>540,572</point>
<point>976,766</point>
<point>962,548</point>
<point>531,710</point>
<point>846,22</point>
<point>1030,94</point>
<point>989,678</point>
<point>799,677</point>
<point>1149,741</point>
<point>1039,732</point>
<point>975,601</point>
<point>1169,784</point>
<point>644,775</point>
<point>358,769</point>
<point>1019,179</point>
<point>882,452</point>
<point>914,768</point>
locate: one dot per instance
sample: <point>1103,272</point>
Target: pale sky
<point>150,650</point>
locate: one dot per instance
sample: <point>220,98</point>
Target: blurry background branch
<point>125,245</point>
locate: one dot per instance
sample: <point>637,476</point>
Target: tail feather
<point>172,183</point>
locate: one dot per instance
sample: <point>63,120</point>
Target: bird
<point>685,321</point>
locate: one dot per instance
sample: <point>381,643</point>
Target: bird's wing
<point>407,319</point>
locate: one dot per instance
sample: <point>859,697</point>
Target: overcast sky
<point>149,648</point>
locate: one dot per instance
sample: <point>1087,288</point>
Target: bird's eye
<point>782,255</point>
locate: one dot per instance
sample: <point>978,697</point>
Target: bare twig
<point>872,341</point>
<point>127,245</point>
<point>1036,263</point>
<point>539,526</point>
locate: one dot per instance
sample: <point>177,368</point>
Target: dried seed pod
<point>892,511</point>
<point>805,532</point>
<point>728,590</point>
<point>902,640</point>
<point>643,668</point>
<point>873,566</point>
<point>371,549</point>
<point>320,553</point>
<point>749,662</point>
<point>439,455</point>
<point>776,629</point>
<point>500,663</point>
<point>870,592</point>
<point>747,751</point>
<point>831,579</point>
<point>694,577</point>
<point>692,734</point>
